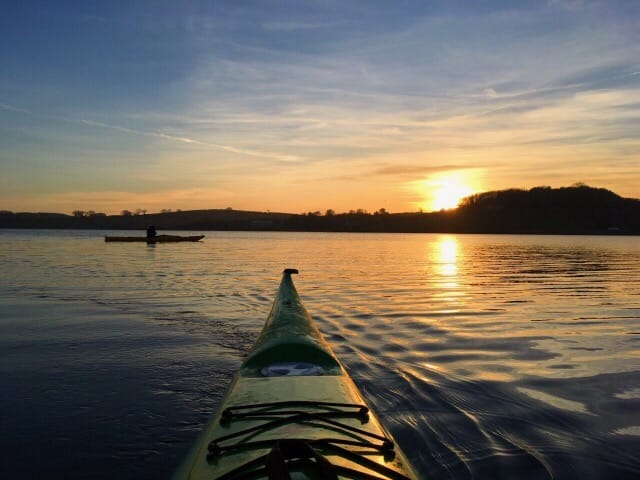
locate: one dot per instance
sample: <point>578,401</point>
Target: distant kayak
<point>293,412</point>
<point>156,239</point>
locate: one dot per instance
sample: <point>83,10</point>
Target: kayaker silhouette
<point>151,231</point>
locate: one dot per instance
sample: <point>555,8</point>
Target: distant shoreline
<point>364,232</point>
<point>578,210</point>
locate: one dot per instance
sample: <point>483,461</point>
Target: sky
<point>298,106</point>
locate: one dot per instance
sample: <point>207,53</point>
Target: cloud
<point>415,170</point>
<point>11,108</point>
<point>289,26</point>
<point>379,91</point>
<point>572,5</point>
<point>289,93</point>
<point>490,93</point>
<point>404,171</point>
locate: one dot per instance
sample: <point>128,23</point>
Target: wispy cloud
<point>165,136</point>
<point>311,95</point>
<point>415,170</point>
<point>11,108</point>
<point>293,25</point>
<point>570,4</point>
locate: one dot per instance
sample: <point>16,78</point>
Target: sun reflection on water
<point>445,257</point>
<point>447,249</point>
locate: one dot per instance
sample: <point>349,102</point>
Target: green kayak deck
<point>292,411</point>
<point>156,239</point>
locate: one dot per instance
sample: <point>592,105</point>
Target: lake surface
<point>485,356</point>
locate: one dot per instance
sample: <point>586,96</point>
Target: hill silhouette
<point>541,210</point>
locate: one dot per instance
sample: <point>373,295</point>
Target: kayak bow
<point>293,412</point>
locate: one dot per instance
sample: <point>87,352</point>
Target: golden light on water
<point>447,255</point>
<point>444,256</point>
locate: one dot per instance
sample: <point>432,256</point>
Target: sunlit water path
<point>486,356</point>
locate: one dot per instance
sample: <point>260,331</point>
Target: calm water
<point>486,356</point>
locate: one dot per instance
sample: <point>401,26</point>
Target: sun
<point>445,190</point>
<point>448,195</point>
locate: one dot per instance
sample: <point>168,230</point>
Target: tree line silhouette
<point>578,209</point>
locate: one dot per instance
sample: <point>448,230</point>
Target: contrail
<point>191,141</point>
<point>173,138</point>
<point>11,108</point>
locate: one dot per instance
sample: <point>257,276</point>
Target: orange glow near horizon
<point>445,190</point>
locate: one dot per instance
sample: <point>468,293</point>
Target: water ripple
<point>485,356</point>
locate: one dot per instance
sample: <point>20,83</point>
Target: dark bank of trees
<point>579,209</point>
<point>542,210</point>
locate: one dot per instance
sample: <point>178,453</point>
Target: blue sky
<point>303,105</point>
